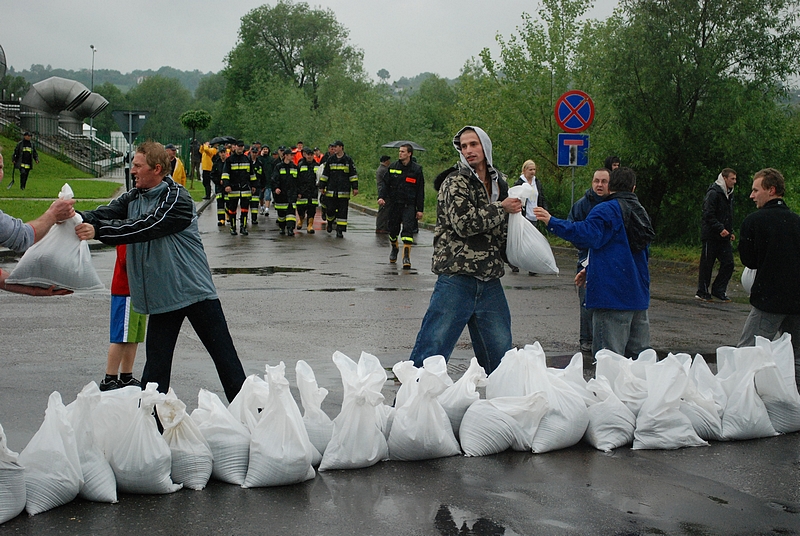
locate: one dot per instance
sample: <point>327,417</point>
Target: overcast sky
<point>405,37</point>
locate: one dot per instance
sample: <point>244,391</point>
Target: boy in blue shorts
<point>127,330</point>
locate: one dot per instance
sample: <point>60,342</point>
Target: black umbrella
<point>222,139</point>
<point>398,143</point>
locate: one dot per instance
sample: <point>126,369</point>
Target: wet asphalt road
<point>305,297</point>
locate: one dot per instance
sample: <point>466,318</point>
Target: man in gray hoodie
<point>716,232</point>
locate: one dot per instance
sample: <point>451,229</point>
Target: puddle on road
<point>457,522</point>
<point>353,289</point>
<point>262,270</point>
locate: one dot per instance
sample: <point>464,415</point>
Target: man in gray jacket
<point>168,271</point>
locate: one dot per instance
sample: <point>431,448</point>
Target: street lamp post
<point>91,119</point>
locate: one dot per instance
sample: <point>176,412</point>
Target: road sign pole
<point>572,199</point>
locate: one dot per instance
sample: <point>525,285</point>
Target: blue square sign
<point>573,150</point>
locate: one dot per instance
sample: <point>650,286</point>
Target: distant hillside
<point>37,73</point>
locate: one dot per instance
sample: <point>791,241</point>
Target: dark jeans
<point>209,323</point>
<point>713,250</point>
<point>207,182</point>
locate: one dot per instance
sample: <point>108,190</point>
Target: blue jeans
<point>623,332</point>
<point>209,323</point>
<point>462,300</point>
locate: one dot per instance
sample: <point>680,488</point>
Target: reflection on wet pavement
<point>259,270</point>
<point>452,521</point>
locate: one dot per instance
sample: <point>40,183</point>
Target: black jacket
<point>284,178</point>
<point>717,214</point>
<point>238,173</point>
<point>404,185</point>
<point>770,243</point>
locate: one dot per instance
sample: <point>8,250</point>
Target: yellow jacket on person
<point>179,175</point>
<point>207,153</point>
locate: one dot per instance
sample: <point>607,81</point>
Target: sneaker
<point>261,210</point>
<point>110,385</point>
<point>266,213</point>
<point>133,382</point>
<point>703,297</point>
<point>721,297</point>
<point>586,347</point>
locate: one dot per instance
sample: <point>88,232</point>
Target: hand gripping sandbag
<point>421,429</point>
<point>52,467</point>
<point>526,247</point>
<point>357,440</point>
<point>12,482</point>
<point>318,425</point>
<point>776,385</point>
<point>228,438</point>
<point>142,462</point>
<point>459,397</point>
<point>191,456</point>
<point>280,451</point>
<point>99,483</point>
<point>660,423</point>
<point>745,415</point>
<point>60,258</point>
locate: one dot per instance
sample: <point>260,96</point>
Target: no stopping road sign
<point>574,111</point>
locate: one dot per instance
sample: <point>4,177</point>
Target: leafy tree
<point>104,123</point>
<point>293,41</point>
<point>195,120</point>
<point>696,86</point>
<point>166,99</point>
<point>14,84</point>
<point>384,75</point>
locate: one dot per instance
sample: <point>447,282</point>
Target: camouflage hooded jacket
<point>470,234</point>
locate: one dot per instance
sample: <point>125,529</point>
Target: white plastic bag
<point>527,248</point>
<point>142,461</point>
<point>748,278</point>
<point>626,376</point>
<point>745,415</point>
<point>460,396</point>
<point>493,426</point>
<point>52,467</point>
<point>611,423</point>
<point>12,482</point>
<point>60,259</point>
<point>776,385</point>
<point>280,451</point>
<point>357,440</point>
<point>192,460</point>
<point>318,425</point>
<point>113,413</point>
<point>99,483</point>
<point>227,437</point>
<point>421,429</point>
<point>510,378</point>
<point>699,403</point>
<point>660,423</point>
<point>250,401</point>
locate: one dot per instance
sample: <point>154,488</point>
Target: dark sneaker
<point>703,297</point>
<point>110,385</point>
<point>721,297</point>
<point>132,382</point>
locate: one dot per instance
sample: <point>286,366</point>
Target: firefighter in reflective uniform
<point>404,186</point>
<point>307,189</point>
<point>284,193</point>
<point>254,153</point>
<point>239,183</point>
<point>23,158</point>
<point>338,177</point>
<point>215,175</point>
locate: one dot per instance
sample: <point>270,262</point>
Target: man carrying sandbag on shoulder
<point>157,219</point>
<point>19,236</point>
<point>617,233</point>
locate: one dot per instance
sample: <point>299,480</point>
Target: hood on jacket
<point>485,142</point>
<point>721,183</point>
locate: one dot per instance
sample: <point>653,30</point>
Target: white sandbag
<point>142,461</point>
<point>250,401</point>
<point>385,415</point>
<point>458,397</point>
<point>52,466</point>
<point>12,482</point>
<point>748,278</point>
<point>493,426</point>
<point>565,421</point>
<point>60,258</point>
<point>99,483</point>
<point>626,376</point>
<point>192,460</point>
<point>421,429</point>
<point>526,247</point>
<point>510,378</point>
<point>777,386</point>
<point>318,425</point>
<point>357,440</point>
<point>280,451</point>
<point>660,423</point>
<point>406,373</point>
<point>113,413</point>
<point>700,405</point>
<point>611,423</point>
<point>745,415</point>
<point>707,384</point>
<point>227,437</point>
